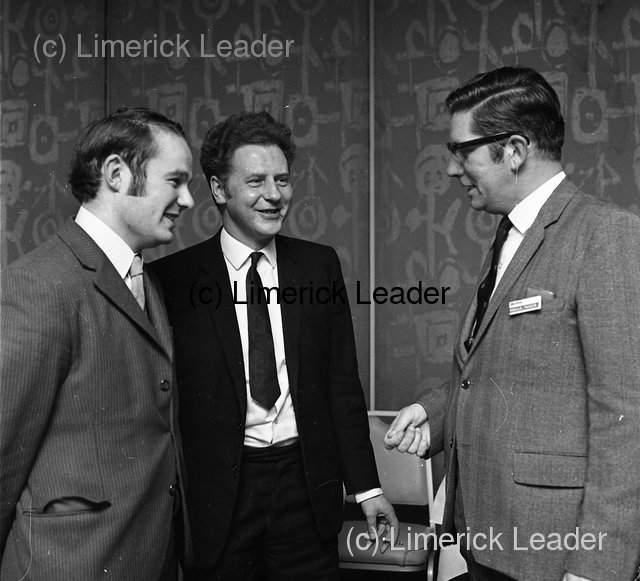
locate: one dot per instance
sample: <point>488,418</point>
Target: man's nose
<point>185,199</point>
<point>454,167</point>
<point>271,190</point>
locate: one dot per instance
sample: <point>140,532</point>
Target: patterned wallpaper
<point>44,102</point>
<point>199,61</point>
<point>589,50</point>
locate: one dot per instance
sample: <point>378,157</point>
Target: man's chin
<point>166,238</point>
<point>272,227</point>
<point>273,232</point>
<point>476,204</point>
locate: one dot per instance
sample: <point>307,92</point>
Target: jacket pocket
<point>549,469</point>
<point>69,506</point>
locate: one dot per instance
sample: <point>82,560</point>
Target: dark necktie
<point>486,286</point>
<point>263,378</point>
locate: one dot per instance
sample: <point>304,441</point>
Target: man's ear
<point>115,172</point>
<point>518,150</point>
<point>217,190</point>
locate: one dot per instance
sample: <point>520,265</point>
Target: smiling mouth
<point>270,211</point>
<point>172,217</point>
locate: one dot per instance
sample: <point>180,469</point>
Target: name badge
<point>525,305</point>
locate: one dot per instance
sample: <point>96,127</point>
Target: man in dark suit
<point>90,454</point>
<point>540,422</point>
<point>272,410</point>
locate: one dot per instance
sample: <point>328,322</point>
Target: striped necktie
<point>486,286</point>
<point>137,280</point>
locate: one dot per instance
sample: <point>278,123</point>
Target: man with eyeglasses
<point>540,422</point>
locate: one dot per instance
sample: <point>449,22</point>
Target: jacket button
<point>234,468</point>
<point>239,427</point>
<point>451,443</point>
<point>173,489</point>
<point>465,384</point>
<point>165,385</point>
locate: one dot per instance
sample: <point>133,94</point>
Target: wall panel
<point>424,229</point>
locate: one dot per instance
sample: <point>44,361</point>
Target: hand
<point>381,518</point>
<point>409,432</point>
<point>572,577</point>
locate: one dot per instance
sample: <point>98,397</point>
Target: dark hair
<point>129,133</point>
<point>222,140</point>
<point>512,99</point>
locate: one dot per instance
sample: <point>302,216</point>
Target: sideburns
<point>137,186</point>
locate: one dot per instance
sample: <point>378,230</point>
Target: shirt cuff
<point>367,494</point>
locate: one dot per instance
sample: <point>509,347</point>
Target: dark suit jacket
<point>543,414</point>
<point>88,410</point>
<point>323,376</point>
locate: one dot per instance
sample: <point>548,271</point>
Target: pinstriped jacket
<point>87,410</point>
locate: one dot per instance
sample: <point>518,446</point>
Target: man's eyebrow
<point>179,174</point>
<point>263,174</point>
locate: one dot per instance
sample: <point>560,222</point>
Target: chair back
<point>405,478</point>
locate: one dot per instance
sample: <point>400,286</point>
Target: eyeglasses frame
<point>454,148</point>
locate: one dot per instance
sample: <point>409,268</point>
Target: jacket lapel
<point>156,311</point>
<point>106,278</point>
<point>460,352</point>
<point>214,273</point>
<point>534,237</point>
<point>289,275</point>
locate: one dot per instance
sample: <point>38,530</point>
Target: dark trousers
<point>273,534</point>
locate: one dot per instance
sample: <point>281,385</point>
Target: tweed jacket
<point>540,422</point>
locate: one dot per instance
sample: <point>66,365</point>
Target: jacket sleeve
<point>435,404</point>
<point>34,361</point>
<point>348,407</point>
<point>608,317</point>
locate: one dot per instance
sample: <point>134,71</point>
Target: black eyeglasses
<point>454,148</point>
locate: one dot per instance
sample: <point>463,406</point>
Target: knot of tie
<point>502,232</point>
<point>255,258</point>
<point>136,266</point>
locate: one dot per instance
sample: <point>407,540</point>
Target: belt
<point>273,453</point>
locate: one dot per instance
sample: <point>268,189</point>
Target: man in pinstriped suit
<point>90,454</point>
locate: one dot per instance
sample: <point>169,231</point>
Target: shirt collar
<point>238,253</point>
<point>116,249</point>
<point>525,212</point>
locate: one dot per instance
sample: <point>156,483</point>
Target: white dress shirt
<point>277,425</point>
<point>264,427</point>
<point>116,249</point>
<point>522,217</point>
